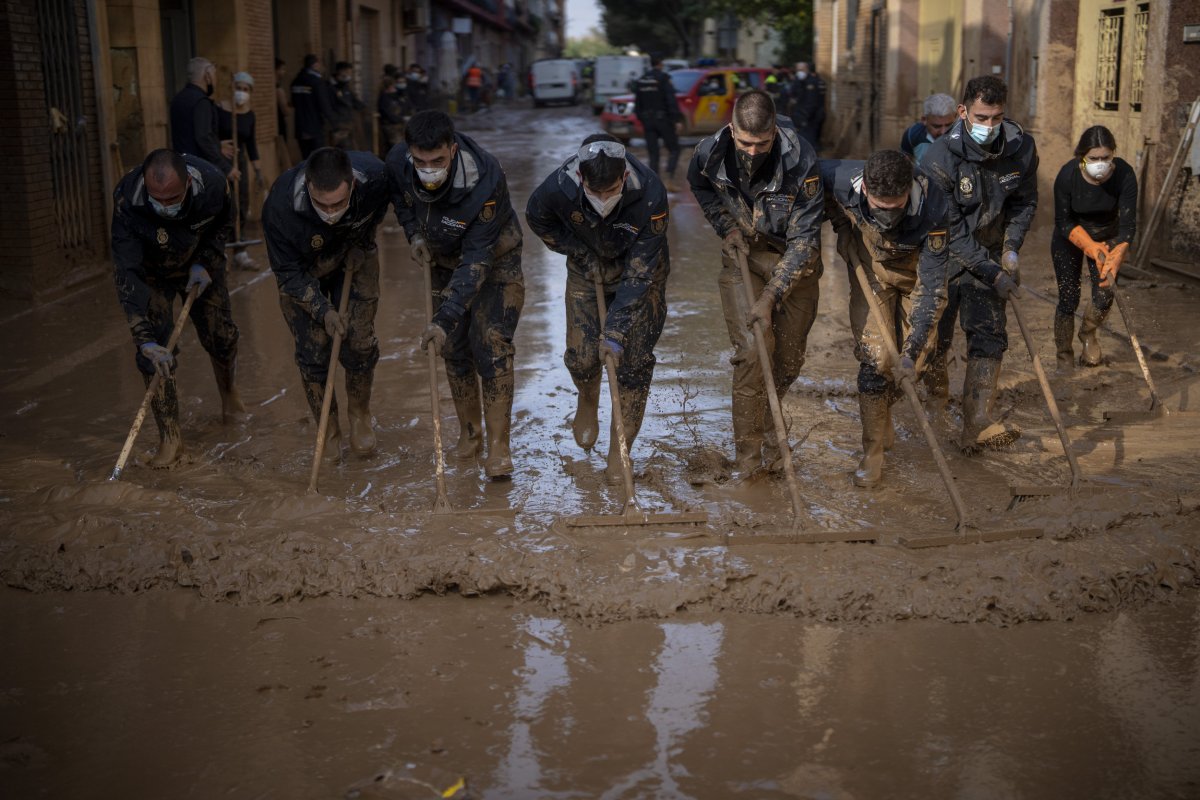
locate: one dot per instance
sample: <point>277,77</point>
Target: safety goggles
<point>610,149</point>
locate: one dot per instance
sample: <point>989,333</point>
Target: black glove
<point>1005,286</point>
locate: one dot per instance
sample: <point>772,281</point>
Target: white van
<point>554,80</point>
<point>612,75</point>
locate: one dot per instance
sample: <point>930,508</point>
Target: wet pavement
<point>683,696</point>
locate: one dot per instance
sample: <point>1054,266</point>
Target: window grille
<point>1108,59</point>
<point>1141,25</point>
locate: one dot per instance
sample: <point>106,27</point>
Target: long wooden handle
<point>327,400</point>
<point>764,361</point>
<point>140,417</point>
<point>614,396</point>
<point>914,402</point>
<point>441,503</point>
<point>1127,318</point>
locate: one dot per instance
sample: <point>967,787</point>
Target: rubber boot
<point>1064,329</point>
<point>497,417</point>
<point>1090,354</point>
<point>889,429</point>
<point>232,409</point>
<point>747,436</point>
<point>875,410</point>
<point>165,405</point>
<point>586,425</point>
<point>937,383</point>
<point>314,391</point>
<point>633,410</point>
<point>979,390</point>
<point>358,408</point>
<point>467,405</point>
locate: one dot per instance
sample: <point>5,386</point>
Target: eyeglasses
<point>610,149</point>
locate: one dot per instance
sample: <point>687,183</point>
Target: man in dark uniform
<point>171,218</point>
<point>987,168</point>
<point>891,222</point>
<point>759,186</point>
<point>319,220</point>
<point>657,109</point>
<point>314,109</point>
<point>806,97</point>
<point>347,107</point>
<point>451,198</point>
<point>604,210</point>
<point>194,119</point>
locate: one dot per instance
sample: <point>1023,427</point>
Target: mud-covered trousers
<point>211,313</point>
<point>662,127</point>
<point>981,313</point>
<point>895,301</point>
<point>482,341</point>
<point>1068,272</point>
<point>584,328</point>
<point>786,339</point>
<point>360,349</point>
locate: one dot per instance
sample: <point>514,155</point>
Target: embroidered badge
<point>658,223</point>
<point>162,236</point>
<point>937,241</point>
<point>317,242</point>
<point>811,186</point>
<point>489,211</point>
<point>577,217</point>
<point>965,186</point>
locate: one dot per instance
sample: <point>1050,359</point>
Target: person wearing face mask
<point>606,211</point>
<point>172,216</point>
<point>759,186</point>
<point>347,108</point>
<point>889,220</point>
<point>806,97</point>
<point>941,111</point>
<point>194,123</point>
<point>1095,220</point>
<point>313,106</point>
<point>417,87</point>
<point>392,105</point>
<point>319,220</point>
<point>986,165</point>
<point>247,154</point>
<point>451,197</point>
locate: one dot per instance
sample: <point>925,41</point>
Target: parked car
<point>554,80</point>
<point>612,75</point>
<point>672,64</point>
<point>705,97</point>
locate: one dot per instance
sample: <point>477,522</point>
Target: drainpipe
<point>101,76</point>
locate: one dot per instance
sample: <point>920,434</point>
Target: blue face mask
<point>983,134</point>
<point>170,212</point>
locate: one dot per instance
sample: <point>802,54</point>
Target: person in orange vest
<point>474,83</point>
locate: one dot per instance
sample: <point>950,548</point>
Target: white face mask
<point>432,178</point>
<point>801,75</point>
<point>331,218</point>
<point>170,212</point>
<point>241,98</point>
<point>984,134</point>
<point>603,207</point>
<point>1098,170</point>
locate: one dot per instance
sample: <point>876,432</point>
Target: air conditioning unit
<point>415,15</point>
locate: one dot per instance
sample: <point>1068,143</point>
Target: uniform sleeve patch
<point>811,186</point>
<point>488,212</point>
<point>937,240</point>
<point>658,222</point>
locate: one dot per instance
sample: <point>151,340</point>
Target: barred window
<point>1108,59</point>
<point>1141,25</point>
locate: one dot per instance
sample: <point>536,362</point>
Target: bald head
<point>165,173</point>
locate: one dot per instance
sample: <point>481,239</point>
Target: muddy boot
<point>747,436</point>
<point>232,409</point>
<point>889,429</point>
<point>979,429</point>
<point>315,393</point>
<point>1064,329</point>
<point>586,425</point>
<point>876,419</point>
<point>937,383</point>
<point>465,391</point>
<point>358,408</point>
<point>633,410</point>
<point>497,415</point>
<point>1090,355</point>
<point>165,405</point>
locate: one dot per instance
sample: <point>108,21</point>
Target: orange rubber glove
<point>1090,247</point>
<point>1112,265</point>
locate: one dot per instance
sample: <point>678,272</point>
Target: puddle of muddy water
<point>166,694</point>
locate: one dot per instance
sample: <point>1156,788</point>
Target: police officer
<point>346,107</point>
<point>987,168</point>
<point>889,220</point>
<point>605,210</point>
<point>806,96</point>
<point>940,112</point>
<point>319,220</point>
<point>657,109</point>
<point>451,198</point>
<point>313,105</point>
<point>194,125</point>
<point>759,186</point>
<point>171,218</point>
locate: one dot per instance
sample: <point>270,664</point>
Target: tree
<point>663,26</point>
<point>590,46</point>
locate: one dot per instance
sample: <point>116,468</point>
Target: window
<point>1108,59</point>
<point>1141,24</point>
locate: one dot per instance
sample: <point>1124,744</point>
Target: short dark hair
<point>310,60</point>
<point>754,112</point>
<point>429,130</point>
<point>328,168</point>
<point>163,162</point>
<point>341,65</point>
<point>390,70</point>
<point>1095,136</point>
<point>888,173</point>
<point>601,171</point>
<point>987,89</point>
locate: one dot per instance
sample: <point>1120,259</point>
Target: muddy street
<point>212,630</point>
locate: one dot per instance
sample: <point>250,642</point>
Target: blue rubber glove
<point>906,369</point>
<point>1010,263</point>
<point>160,357</point>
<point>434,334</point>
<point>1005,286</point>
<point>198,276</point>
<point>609,348</point>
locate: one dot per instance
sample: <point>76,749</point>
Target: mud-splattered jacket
<point>302,247</point>
<point>991,196</point>
<point>912,256</point>
<point>785,214</point>
<point>468,221</point>
<point>143,241</point>
<point>630,244</point>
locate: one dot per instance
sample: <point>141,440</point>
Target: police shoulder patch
<point>318,241</point>
<point>658,222</point>
<point>937,240</point>
<point>488,211</point>
<point>162,236</point>
<point>811,185</point>
<point>577,217</point>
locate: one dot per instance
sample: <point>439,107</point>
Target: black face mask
<point>888,218</point>
<point>208,90</point>
<point>751,164</point>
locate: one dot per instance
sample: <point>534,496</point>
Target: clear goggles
<point>610,149</point>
